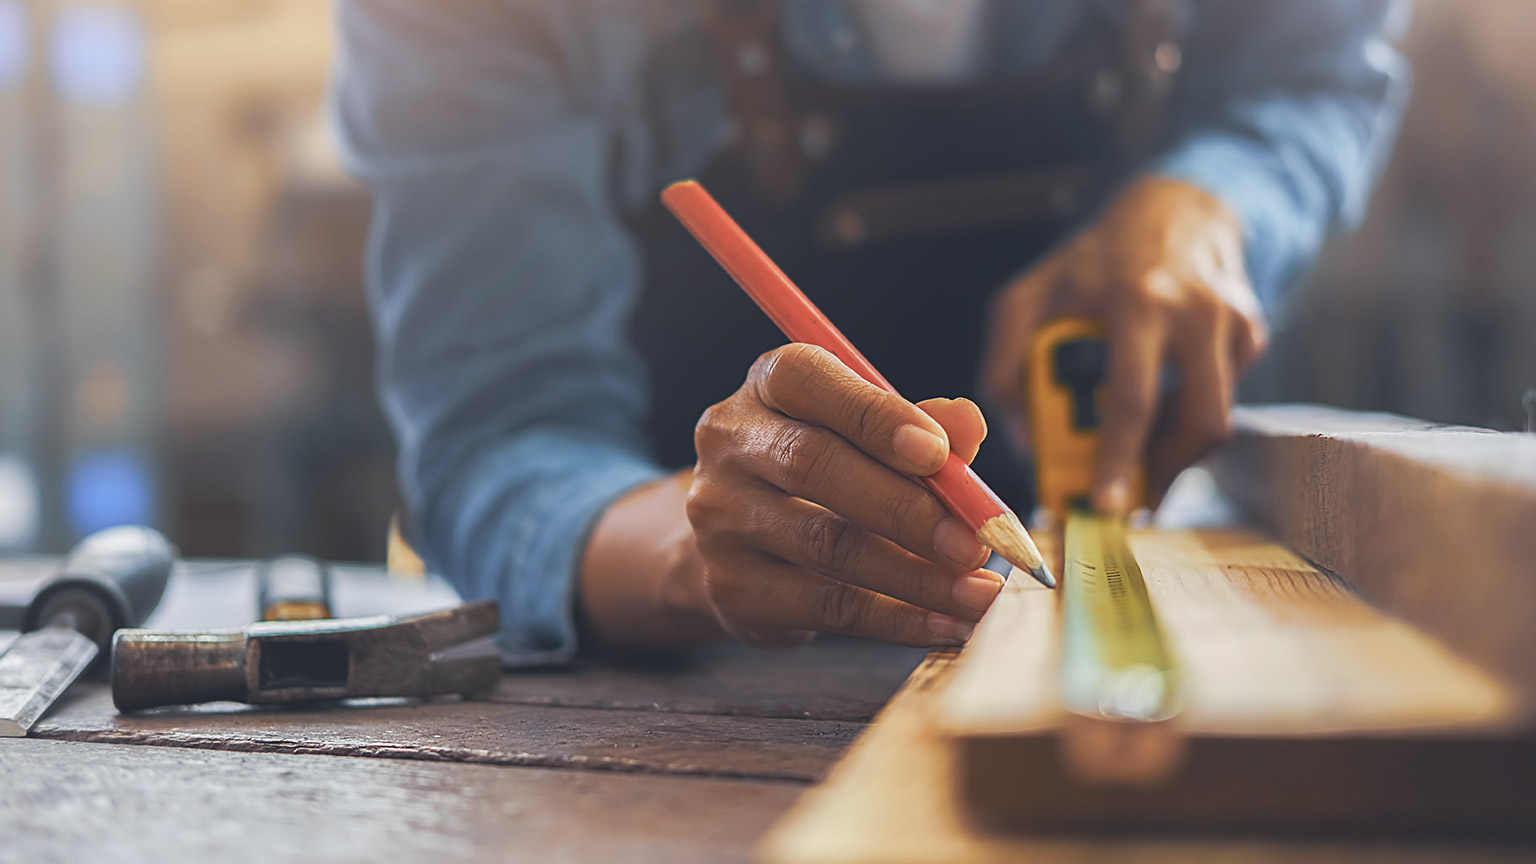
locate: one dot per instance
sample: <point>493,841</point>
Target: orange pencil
<point>955,484</point>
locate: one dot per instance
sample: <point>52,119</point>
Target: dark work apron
<point>914,302</point>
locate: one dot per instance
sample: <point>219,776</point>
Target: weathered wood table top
<point>687,761</point>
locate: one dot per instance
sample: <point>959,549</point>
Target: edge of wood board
<point>1434,524</point>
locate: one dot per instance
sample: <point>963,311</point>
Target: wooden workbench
<point>596,762</point>
<point>682,762</point>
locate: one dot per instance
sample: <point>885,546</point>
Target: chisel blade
<point>36,670</point>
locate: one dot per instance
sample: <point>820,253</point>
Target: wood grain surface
<point>1304,707</point>
<point>73,802</point>
<point>487,733</point>
<point>833,678</point>
<point>895,799</point>
<point>1435,524</point>
<point>1267,643</point>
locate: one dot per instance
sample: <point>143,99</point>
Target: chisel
<point>111,580</point>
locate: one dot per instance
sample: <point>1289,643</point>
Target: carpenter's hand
<point>806,517</point>
<point>1163,269</point>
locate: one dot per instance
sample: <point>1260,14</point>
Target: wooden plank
<point>475,732</point>
<point>1352,718</point>
<point>1435,524</point>
<point>1268,644</point>
<point>895,799</point>
<point>89,802</point>
<point>832,678</point>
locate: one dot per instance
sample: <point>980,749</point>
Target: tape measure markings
<point>1115,661</point>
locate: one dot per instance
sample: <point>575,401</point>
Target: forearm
<point>500,278</point>
<point>641,582</point>
<point>1286,113</point>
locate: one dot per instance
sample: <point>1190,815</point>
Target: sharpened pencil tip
<point>1006,536</point>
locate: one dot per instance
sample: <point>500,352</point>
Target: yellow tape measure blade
<point>1115,661</point>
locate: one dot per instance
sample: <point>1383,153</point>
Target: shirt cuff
<point>519,526</point>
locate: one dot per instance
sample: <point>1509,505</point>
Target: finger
<point>1200,410</point>
<point>1249,339</point>
<point>815,464</point>
<point>810,384</point>
<point>962,421</point>
<point>784,597</point>
<point>822,541</point>
<point>1014,318</point>
<point>733,581</point>
<point>1136,332</point>
<point>1251,335</point>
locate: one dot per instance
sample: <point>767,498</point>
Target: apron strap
<point>766,122</point>
<point>1150,54</point>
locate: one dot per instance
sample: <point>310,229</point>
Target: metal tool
<point>1117,673</point>
<point>293,588</point>
<point>307,661</point>
<point>37,669</point>
<point>113,578</point>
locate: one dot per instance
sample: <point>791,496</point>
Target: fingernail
<point>976,593</point>
<point>958,544</point>
<point>951,630</point>
<point>920,447</point>
<point>1116,498</point>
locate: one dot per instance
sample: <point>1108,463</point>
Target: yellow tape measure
<point>1115,662</point>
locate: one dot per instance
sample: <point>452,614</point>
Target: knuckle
<point>800,455</point>
<point>713,430</point>
<point>902,626</point>
<point>702,506</point>
<point>784,372</point>
<point>764,365</point>
<point>870,420</point>
<point>830,540</point>
<point>841,608</point>
<point>907,514</point>
<point>1156,291</point>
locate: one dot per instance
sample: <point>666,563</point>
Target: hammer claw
<point>443,630</point>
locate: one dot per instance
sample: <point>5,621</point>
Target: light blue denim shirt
<point>503,139</point>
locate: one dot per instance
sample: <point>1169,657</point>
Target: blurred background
<point>183,338</point>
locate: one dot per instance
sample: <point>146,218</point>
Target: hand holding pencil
<point>803,502</point>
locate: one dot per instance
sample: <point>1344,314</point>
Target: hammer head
<point>307,661</point>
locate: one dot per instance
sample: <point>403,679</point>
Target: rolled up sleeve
<point>1287,111</point>
<point>500,281</point>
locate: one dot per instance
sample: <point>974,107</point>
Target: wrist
<point>680,590</point>
<point>641,579</point>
